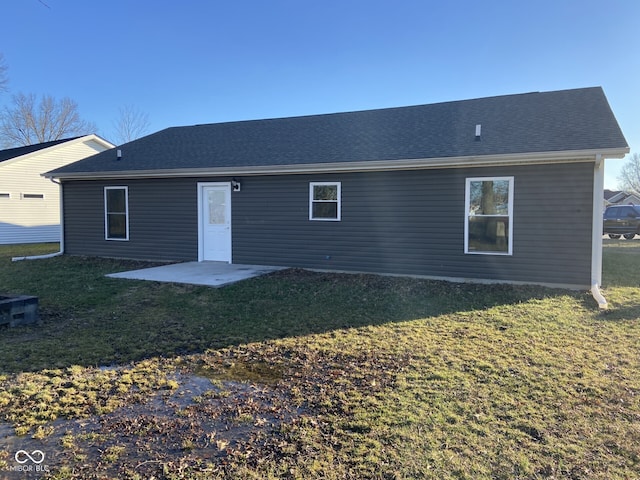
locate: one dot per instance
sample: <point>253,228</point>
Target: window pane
<point>489,197</point>
<point>117,225</point>
<point>325,192</point>
<point>217,207</point>
<point>116,200</point>
<point>325,210</point>
<point>489,234</point>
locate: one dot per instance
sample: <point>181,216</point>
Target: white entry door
<point>215,222</point>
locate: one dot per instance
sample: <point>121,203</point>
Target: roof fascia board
<point>98,139</point>
<point>90,137</point>
<point>362,166</point>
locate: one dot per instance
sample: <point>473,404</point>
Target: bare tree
<point>4,79</point>
<point>629,178</point>
<point>131,124</point>
<point>28,121</point>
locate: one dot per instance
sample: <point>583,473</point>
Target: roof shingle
<point>566,120</point>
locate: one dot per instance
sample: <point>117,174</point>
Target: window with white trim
<point>324,201</point>
<point>488,225</point>
<point>116,213</point>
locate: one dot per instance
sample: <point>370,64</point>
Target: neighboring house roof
<point>24,150</point>
<point>631,199</point>
<point>620,197</point>
<point>549,123</point>
<point>628,199</point>
<point>14,153</point>
<point>612,195</point>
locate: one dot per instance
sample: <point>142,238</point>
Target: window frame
<point>338,201</point>
<point>32,196</point>
<point>509,215</point>
<point>125,213</point>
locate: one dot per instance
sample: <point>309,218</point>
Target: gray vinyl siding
<point>162,220</point>
<point>404,222</point>
<point>412,222</point>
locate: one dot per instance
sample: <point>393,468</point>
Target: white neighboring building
<point>30,203</point>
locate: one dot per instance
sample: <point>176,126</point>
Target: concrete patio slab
<point>213,274</point>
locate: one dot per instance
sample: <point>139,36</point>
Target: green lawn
<point>317,375</point>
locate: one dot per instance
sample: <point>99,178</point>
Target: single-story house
<point>29,203</point>
<point>499,189</point>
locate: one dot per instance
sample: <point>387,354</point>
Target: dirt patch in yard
<point>200,421</point>
<point>225,408</point>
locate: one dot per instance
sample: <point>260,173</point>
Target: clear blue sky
<point>201,61</point>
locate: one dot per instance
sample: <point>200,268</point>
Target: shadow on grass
<point>91,320</point>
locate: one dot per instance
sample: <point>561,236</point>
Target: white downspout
<point>61,251</point>
<point>596,232</point>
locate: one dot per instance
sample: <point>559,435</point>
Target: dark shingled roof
<point>19,151</point>
<point>578,119</point>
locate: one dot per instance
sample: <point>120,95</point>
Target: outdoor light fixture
<point>235,185</point>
